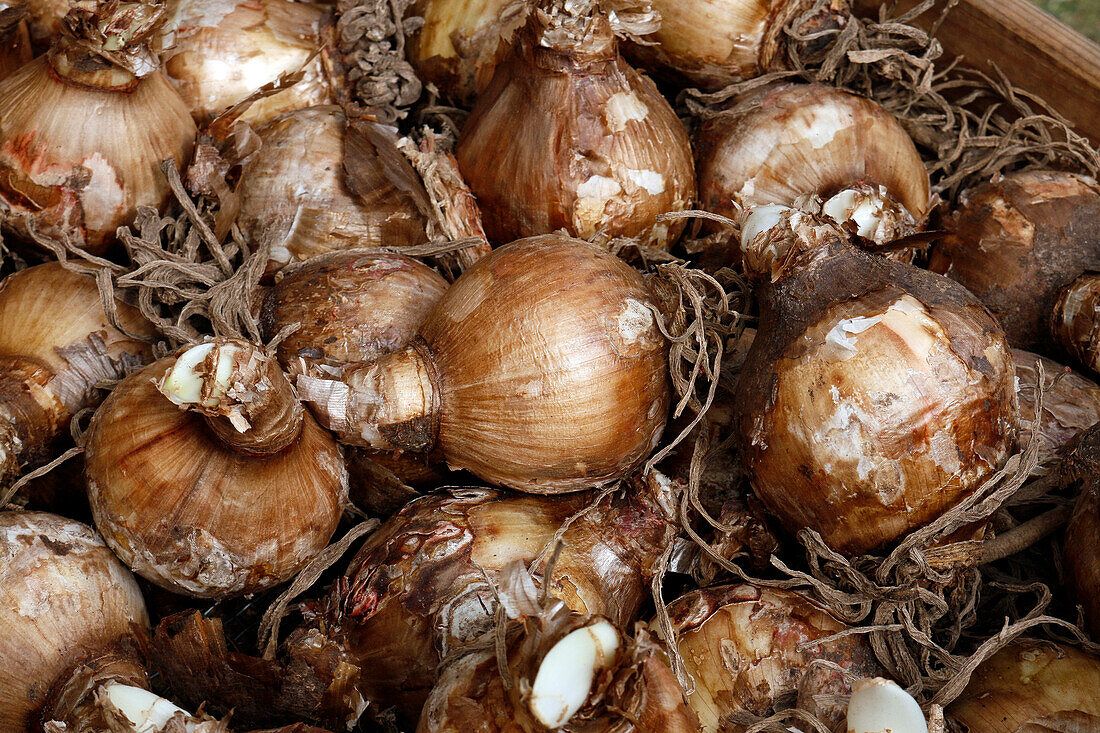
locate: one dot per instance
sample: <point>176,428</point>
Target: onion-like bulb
<point>1076,320</point>
<point>765,638</point>
<point>711,43</point>
<point>875,396</point>
<point>15,41</point>
<point>1071,403</point>
<point>226,49</point>
<point>461,42</point>
<point>66,605</point>
<point>568,672</point>
<point>351,306</point>
<point>356,306</point>
<point>1082,555</point>
<point>1017,241</point>
<point>207,477</point>
<point>569,136</point>
<point>56,344</point>
<point>541,368</point>
<point>1035,682</point>
<point>321,183</point>
<point>788,140</point>
<point>82,138</point>
<point>417,589</point>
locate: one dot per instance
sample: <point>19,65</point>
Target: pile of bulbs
<point>501,423</point>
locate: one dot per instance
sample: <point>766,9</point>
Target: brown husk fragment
<point>1082,553</point>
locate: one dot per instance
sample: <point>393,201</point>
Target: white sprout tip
<point>565,677</point>
<point>147,712</point>
<point>879,705</point>
<point>862,208</point>
<point>183,384</point>
<point>759,220</point>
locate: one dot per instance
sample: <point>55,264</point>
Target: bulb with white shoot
<point>761,219</point>
<point>565,677</point>
<point>874,214</point>
<point>191,382</point>
<point>146,712</point>
<point>879,705</point>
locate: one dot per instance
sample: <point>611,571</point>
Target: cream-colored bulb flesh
<point>183,385</point>
<point>147,712</point>
<point>862,210</point>
<point>880,706</point>
<point>565,676</point>
<point>760,220</point>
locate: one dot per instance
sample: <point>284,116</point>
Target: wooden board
<point>1034,50</point>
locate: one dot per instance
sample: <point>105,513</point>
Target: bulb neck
<point>240,390</point>
<point>777,240</point>
<point>74,701</point>
<point>563,36</point>
<point>391,403</point>
<point>75,65</point>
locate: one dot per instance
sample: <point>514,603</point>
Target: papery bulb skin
<point>1075,321</point>
<point>1031,682</point>
<point>1082,558</point>
<point>762,663</point>
<point>788,140</point>
<point>352,306</point>
<point>462,41</point>
<point>1071,404</point>
<point>568,672</point>
<point>541,368</point>
<point>712,43</point>
<point>1017,241</point>
<point>224,491</point>
<point>569,136</point>
<point>65,599</point>
<point>357,306</point>
<point>875,396</point>
<point>296,189</point>
<point>56,344</point>
<point>227,49</point>
<point>82,138</point>
<point>44,20</point>
<point>416,590</point>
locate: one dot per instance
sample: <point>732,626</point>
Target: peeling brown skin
<point>1017,241</point>
<point>1075,322</point>
<point>1082,553</point>
<point>414,591</point>
<point>1030,681</point>
<point>793,475</point>
<point>638,692</point>
<point>740,645</point>
<point>540,132</point>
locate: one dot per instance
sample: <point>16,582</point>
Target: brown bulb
<point>1033,682</point>
<point>356,306</point>
<point>351,306</point>
<point>569,136</point>
<point>417,589</point>
<point>225,50</point>
<point>788,140</point>
<point>1081,554</point>
<point>65,601</point>
<point>82,139</point>
<point>320,183</point>
<point>1076,320</point>
<point>712,43</point>
<point>207,477</point>
<point>1071,404</point>
<point>875,396</point>
<point>1017,241</point>
<point>564,671</point>
<point>56,344</point>
<point>541,368</point>
<point>750,649</point>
